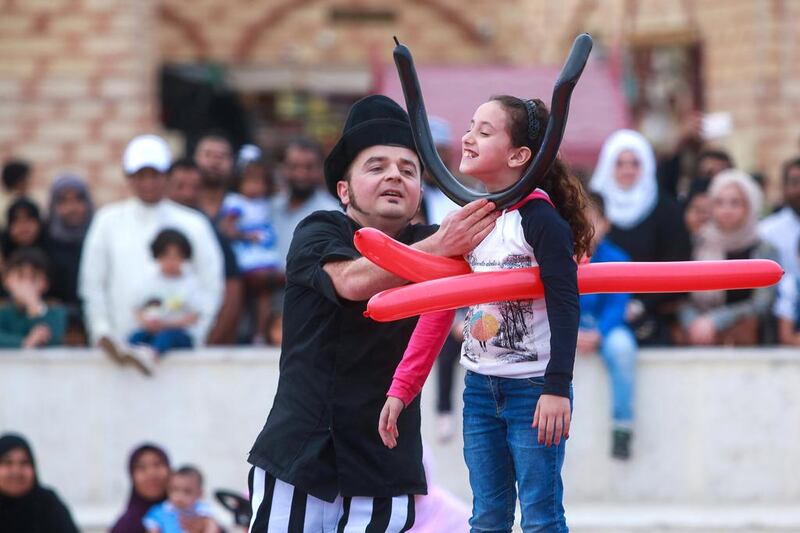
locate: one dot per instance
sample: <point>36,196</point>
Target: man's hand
<point>552,417</point>
<point>462,230</point>
<point>39,335</point>
<point>588,341</point>
<point>702,331</point>
<point>387,424</point>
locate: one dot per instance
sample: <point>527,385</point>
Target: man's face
<point>215,159</point>
<point>384,184</point>
<point>302,168</point>
<point>791,189</point>
<point>711,166</point>
<point>148,185</point>
<point>185,185</point>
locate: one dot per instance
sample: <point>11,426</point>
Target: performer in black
<point>319,464</point>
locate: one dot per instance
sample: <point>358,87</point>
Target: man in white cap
<point>116,255</point>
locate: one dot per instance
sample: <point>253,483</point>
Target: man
<point>302,169</point>
<point>185,186</point>
<point>319,460</point>
<point>782,229</point>
<point>116,253</point>
<point>214,157</point>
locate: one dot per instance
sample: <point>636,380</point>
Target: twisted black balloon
<point>559,109</point>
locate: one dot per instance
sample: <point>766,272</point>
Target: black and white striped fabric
<point>281,508</point>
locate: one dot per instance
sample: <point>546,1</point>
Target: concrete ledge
<point>715,438</point>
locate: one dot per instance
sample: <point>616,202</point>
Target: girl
<point>729,317</point>
<point>254,239</point>
<point>519,355</point>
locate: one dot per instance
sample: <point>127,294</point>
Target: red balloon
<point>524,284</point>
<point>405,261</point>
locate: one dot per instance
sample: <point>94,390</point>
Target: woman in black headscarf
<point>26,506</point>
<point>70,213</point>
<point>149,470</point>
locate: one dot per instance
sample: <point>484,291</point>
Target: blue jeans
<point>502,453</point>
<point>163,341</point>
<point>619,350</point>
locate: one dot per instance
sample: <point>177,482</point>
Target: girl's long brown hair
<point>564,188</point>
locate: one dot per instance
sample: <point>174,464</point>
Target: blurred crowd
<point>196,256</point>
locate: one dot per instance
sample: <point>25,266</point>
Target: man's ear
<point>343,190</point>
<point>519,157</point>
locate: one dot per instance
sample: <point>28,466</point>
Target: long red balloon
<point>405,261</point>
<point>524,284</point>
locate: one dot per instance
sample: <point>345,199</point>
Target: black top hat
<point>372,121</point>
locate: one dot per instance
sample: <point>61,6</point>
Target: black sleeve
<point>322,237</point>
<point>57,517</point>
<point>669,173</point>
<point>551,239</point>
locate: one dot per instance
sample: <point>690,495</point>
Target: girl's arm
<point>425,344</point>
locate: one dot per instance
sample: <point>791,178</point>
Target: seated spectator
<point>603,330</point>
<point>26,321</point>
<point>16,183</point>
<point>71,211</point>
<point>645,223</point>
<point>116,257</point>
<point>185,186</point>
<point>184,493</point>
<point>24,227</point>
<point>696,208</point>
<point>782,229</point>
<point>729,317</point>
<point>787,307</point>
<point>25,505</point>
<point>170,310</point>
<point>149,471</point>
<point>254,240</point>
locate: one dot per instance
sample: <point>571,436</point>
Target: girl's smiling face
<point>486,151</point>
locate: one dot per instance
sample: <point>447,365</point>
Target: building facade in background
<point>79,78</point>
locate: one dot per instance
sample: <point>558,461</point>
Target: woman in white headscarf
<point>729,317</point>
<point>647,225</point>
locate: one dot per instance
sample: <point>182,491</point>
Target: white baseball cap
<point>146,151</point>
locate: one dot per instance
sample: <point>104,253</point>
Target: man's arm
<point>460,232</point>
<point>92,280</point>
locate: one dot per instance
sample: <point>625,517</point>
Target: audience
<point>16,183</point>
<point>116,255</point>
<point>782,229</point>
<point>26,321</point>
<point>185,186</point>
<point>787,307</point>
<point>24,228</point>
<point>184,493</point>
<point>254,240</point>
<point>603,330</point>
<point>729,317</point>
<point>170,310</point>
<point>301,167</point>
<point>69,215</point>
<point>647,225</point>
<point>25,505</point>
<point>149,470</point>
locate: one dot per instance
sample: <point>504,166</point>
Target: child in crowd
<point>254,239</point>
<point>183,501</point>
<point>519,355</point>
<point>787,307</point>
<point>603,330</point>
<point>169,308</point>
<point>27,322</point>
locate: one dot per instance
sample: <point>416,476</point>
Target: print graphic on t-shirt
<point>501,330</point>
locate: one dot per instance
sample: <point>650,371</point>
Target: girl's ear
<point>519,157</point>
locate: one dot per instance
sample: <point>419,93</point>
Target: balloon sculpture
<point>445,283</point>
